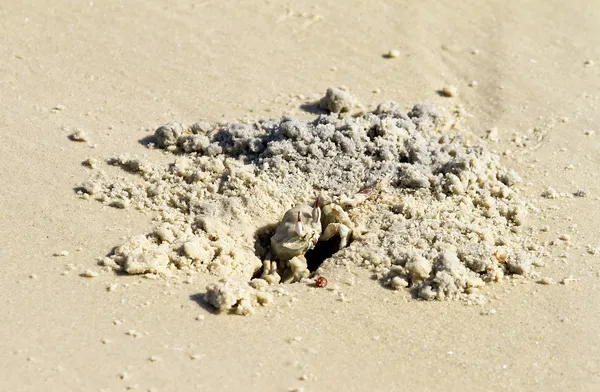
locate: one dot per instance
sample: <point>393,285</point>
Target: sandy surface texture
<point>85,81</point>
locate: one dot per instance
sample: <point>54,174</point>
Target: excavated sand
<point>431,213</point>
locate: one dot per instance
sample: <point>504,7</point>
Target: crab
<point>299,231</point>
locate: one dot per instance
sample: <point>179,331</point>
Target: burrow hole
<point>314,257</point>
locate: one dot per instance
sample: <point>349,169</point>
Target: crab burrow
<point>258,204</point>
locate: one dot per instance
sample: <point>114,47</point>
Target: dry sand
<point>525,78</point>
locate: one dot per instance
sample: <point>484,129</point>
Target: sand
<point>399,193</point>
<point>118,72</point>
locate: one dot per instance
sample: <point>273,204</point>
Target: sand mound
<point>440,217</point>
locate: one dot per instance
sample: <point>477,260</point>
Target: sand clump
<point>237,296</point>
<point>79,136</point>
<point>438,213</point>
<point>337,100</point>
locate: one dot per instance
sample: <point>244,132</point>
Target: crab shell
<point>286,243</point>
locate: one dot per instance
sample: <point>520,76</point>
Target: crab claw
<point>299,228</point>
<point>316,212</point>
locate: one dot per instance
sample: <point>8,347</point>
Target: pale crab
<point>301,228</point>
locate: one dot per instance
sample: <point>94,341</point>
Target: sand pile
<point>429,212</point>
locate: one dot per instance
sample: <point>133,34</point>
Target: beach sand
<point>524,77</point>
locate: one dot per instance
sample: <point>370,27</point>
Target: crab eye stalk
<point>299,227</point>
<point>316,212</point>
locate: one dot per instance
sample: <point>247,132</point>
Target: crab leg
<point>336,228</point>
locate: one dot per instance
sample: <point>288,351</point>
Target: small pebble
<point>89,273</point>
<point>392,54</point>
<point>79,136</point>
<point>565,237</point>
<point>196,356</point>
<point>62,253</point>
<point>546,281</point>
<point>92,163</point>
<point>58,108</point>
<point>449,91</point>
